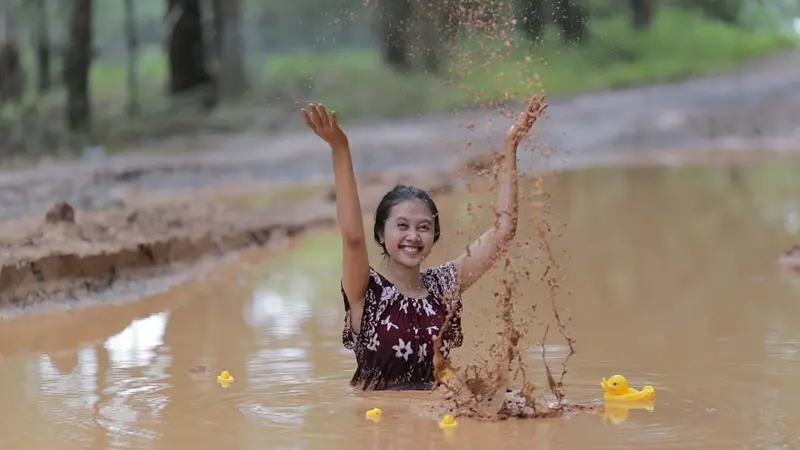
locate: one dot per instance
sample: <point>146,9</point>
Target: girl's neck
<point>406,277</point>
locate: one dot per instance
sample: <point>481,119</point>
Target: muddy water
<point>671,281</point>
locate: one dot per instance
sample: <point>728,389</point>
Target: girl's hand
<point>325,126</point>
<point>525,120</point>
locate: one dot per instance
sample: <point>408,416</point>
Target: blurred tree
<point>77,64</point>
<point>441,23</point>
<point>394,23</point>
<point>132,44</point>
<point>42,43</point>
<point>569,15</point>
<point>727,11</point>
<point>531,17</point>
<point>643,11</point>
<point>229,48</point>
<point>186,48</point>
<point>417,32</point>
<point>12,75</point>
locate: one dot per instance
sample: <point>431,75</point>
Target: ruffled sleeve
<point>443,280</point>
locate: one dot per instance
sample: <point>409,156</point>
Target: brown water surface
<point>672,281</point>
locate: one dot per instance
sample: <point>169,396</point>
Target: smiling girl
<point>391,318</point>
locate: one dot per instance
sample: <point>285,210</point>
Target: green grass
<point>482,70</point>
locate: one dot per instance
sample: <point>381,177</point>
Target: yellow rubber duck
<point>617,390</point>
<point>374,414</point>
<point>448,421</point>
<point>224,379</point>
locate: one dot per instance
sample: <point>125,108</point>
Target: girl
<point>392,318</point>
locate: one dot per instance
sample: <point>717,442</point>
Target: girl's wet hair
<point>400,194</point>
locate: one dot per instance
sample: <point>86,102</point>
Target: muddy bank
<point>70,255</point>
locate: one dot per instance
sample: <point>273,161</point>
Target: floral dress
<point>394,349</point>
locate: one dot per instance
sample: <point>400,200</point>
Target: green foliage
<point>679,44</point>
<point>727,11</point>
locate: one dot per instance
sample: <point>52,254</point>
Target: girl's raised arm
<point>481,255</point>
<point>355,267</point>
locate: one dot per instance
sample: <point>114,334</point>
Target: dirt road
<point>140,212</point>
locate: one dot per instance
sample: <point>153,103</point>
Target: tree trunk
<point>450,19</point>
<point>42,39</point>
<point>531,17</point>
<point>642,13</point>
<point>186,48</point>
<point>12,76</point>
<point>231,76</point>
<point>217,23</point>
<point>77,65</point>
<point>132,41</point>
<point>429,34</point>
<point>395,20</point>
<point>571,18</point>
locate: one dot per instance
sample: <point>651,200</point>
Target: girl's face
<point>408,233</point>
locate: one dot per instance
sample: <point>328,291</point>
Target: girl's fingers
<point>334,119</point>
<point>307,119</point>
<point>315,114</point>
<point>323,114</point>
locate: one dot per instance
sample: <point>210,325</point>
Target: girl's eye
<point>424,228</point>
<point>402,226</point>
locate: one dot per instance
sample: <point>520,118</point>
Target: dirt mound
<point>73,253</point>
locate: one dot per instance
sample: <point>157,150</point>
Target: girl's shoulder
<point>443,279</point>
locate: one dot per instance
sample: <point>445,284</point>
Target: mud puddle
<point>673,281</point>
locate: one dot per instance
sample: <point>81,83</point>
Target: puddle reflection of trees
<point>297,313</point>
<point>103,387</point>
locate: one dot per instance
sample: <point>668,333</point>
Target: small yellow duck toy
<point>224,379</point>
<point>617,390</point>
<point>448,424</point>
<point>448,421</point>
<point>374,414</point>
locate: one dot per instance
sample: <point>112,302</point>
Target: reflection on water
<point>672,281</point>
<point>135,346</point>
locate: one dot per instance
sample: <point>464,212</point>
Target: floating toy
<point>617,413</point>
<point>374,414</point>
<point>617,390</point>
<point>448,422</point>
<point>224,379</point>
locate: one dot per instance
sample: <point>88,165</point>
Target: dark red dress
<point>394,348</point>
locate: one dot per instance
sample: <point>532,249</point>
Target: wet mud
<point>67,255</point>
<point>790,259</point>
<point>498,387</point>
